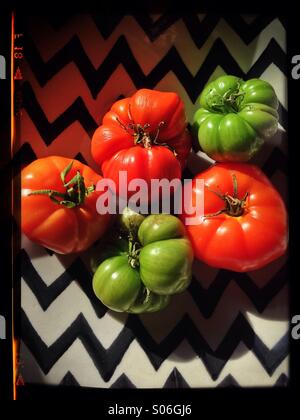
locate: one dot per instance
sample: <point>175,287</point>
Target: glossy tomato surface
<point>239,243</point>
<point>57,227</point>
<point>235,117</point>
<point>144,135</point>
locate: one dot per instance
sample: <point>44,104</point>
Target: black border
<point>6,364</point>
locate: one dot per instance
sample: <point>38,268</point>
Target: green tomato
<point>130,220</point>
<point>116,283</point>
<point>139,275</point>
<point>108,247</point>
<point>235,117</point>
<point>149,302</point>
<point>158,227</point>
<point>166,266</point>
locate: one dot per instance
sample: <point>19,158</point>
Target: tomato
<point>129,220</point>
<point>173,272</point>
<point>144,135</point>
<point>58,204</point>
<point>117,283</point>
<point>156,264</point>
<point>244,226</point>
<point>235,117</point>
<point>149,302</point>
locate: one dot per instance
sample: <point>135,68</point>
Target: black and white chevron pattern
<point>228,329</point>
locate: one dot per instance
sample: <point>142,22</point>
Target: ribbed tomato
<point>58,204</point>
<point>144,135</point>
<point>244,226</point>
<point>142,275</point>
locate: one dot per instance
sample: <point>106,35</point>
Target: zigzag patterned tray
<point>228,329</point>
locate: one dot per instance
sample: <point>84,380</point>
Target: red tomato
<point>67,222</point>
<point>144,135</point>
<point>245,222</point>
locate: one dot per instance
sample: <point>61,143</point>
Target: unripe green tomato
<point>140,275</point>
<point>166,266</point>
<point>235,118</point>
<point>130,220</point>
<point>158,227</point>
<point>149,302</point>
<point>113,247</point>
<point>116,283</point>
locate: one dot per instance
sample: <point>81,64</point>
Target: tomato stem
<point>142,136</point>
<point>229,102</point>
<point>74,195</point>
<point>134,247</point>
<point>234,206</point>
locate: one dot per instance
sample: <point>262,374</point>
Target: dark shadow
<point>279,140</point>
<point>29,369</point>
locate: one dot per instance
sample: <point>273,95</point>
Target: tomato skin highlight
<point>235,117</point>
<point>247,242</point>
<point>61,229</point>
<point>146,136</point>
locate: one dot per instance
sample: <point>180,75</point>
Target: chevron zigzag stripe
<point>23,156</point>
<point>193,57</point>
<point>47,294</point>
<point>199,30</point>
<point>172,61</point>
<point>106,361</point>
<point>76,112</point>
<point>205,299</point>
<point>175,380</point>
<point>49,131</point>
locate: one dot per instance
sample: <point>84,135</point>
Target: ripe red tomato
<point>64,220</point>
<point>144,135</point>
<point>245,221</point>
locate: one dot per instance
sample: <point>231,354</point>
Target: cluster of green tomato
<point>143,263</point>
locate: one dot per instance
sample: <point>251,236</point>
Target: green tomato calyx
<point>229,102</point>
<point>130,222</point>
<point>133,253</point>
<point>76,191</point>
<point>234,206</point>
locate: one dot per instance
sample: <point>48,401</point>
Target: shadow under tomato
<point>219,314</point>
